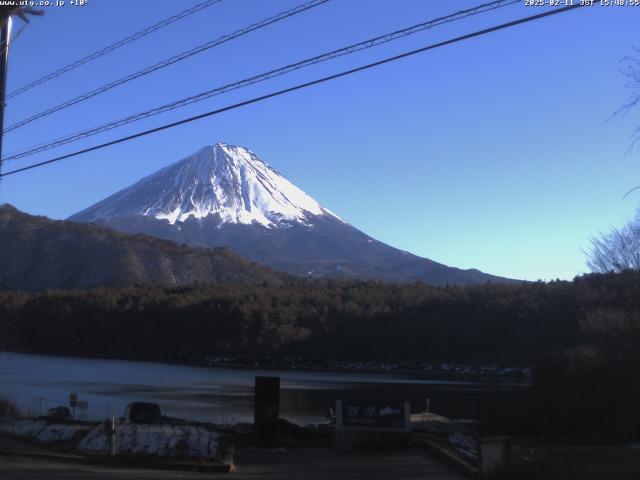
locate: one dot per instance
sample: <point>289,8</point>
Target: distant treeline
<point>329,319</point>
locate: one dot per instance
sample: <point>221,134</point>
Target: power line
<point>370,43</point>
<point>170,61</point>
<point>114,46</point>
<point>299,86</point>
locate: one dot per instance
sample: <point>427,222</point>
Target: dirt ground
<point>308,463</point>
<point>574,462</point>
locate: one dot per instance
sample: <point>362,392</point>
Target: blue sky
<point>498,153</point>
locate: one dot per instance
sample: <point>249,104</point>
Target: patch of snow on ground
<point>147,439</point>
<point>42,430</point>
<point>466,445</point>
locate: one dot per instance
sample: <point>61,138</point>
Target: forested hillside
<point>38,253</point>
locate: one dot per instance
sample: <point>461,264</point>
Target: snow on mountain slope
<point>221,180</point>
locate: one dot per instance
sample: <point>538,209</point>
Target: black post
<point>267,410</point>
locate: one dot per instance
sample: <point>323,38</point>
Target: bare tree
<point>632,72</point>
<point>617,250</point>
<point>13,7</point>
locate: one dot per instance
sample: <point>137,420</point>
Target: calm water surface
<point>36,383</point>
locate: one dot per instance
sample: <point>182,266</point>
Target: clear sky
<point>498,153</point>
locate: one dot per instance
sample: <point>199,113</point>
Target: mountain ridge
<point>39,253</point>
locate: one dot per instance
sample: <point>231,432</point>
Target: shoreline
<point>442,372</point>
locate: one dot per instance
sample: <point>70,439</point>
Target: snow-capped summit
<point>222,180</point>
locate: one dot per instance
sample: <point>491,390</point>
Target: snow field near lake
<point>146,439</point>
<point>42,430</point>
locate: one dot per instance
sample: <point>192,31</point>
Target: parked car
<point>60,413</point>
<point>143,412</point>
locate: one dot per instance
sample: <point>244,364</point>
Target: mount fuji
<point>225,195</point>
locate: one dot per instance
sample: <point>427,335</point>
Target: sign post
<point>112,436</point>
<point>73,401</point>
<point>83,406</point>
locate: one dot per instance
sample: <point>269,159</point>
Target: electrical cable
<point>167,62</point>
<point>114,46</point>
<point>370,43</point>
<point>299,87</point>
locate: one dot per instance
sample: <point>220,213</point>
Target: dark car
<point>59,413</point>
<point>143,412</point>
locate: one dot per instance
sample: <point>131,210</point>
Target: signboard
<point>372,425</point>
<point>73,400</point>
<point>373,414</point>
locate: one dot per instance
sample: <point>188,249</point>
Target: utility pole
<point>5,35</point>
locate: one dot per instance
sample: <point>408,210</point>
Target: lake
<point>35,383</point>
